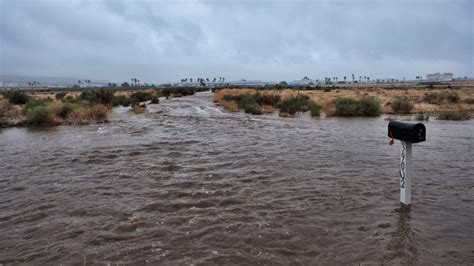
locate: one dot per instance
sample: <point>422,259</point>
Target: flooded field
<point>189,183</point>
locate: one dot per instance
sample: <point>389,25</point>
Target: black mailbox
<point>408,132</point>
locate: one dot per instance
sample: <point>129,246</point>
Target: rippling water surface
<point>190,183</point>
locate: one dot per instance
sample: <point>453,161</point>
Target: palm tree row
<point>335,79</point>
<point>88,81</point>
<point>135,81</point>
<point>33,83</point>
<point>202,80</point>
<point>329,80</point>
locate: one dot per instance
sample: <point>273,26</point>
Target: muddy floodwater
<point>190,183</point>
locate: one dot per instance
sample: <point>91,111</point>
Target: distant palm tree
<point>353,77</point>
<point>345,79</point>
<point>360,78</point>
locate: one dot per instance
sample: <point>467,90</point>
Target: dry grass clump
<point>138,109</point>
<point>452,115</point>
<point>84,115</point>
<point>230,105</point>
<point>224,98</point>
<point>10,115</point>
<point>441,97</point>
<point>469,101</point>
<point>218,95</point>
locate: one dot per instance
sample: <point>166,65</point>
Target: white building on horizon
<point>439,77</point>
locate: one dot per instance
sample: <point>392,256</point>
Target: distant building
<point>439,77</point>
<point>10,84</point>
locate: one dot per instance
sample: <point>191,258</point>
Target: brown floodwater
<point>190,183</point>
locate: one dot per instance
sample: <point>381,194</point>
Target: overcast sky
<point>164,41</point>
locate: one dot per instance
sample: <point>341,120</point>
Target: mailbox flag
<point>392,141</point>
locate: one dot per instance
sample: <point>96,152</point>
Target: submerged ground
<point>188,182</point>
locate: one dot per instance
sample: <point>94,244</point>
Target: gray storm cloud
<point>163,41</point>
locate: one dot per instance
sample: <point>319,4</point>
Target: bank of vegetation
<point>18,108</point>
<point>259,102</point>
<point>419,102</point>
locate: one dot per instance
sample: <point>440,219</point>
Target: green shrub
<point>65,110</point>
<point>33,103</point>
<point>228,97</point>
<point>16,97</point>
<point>347,107</point>
<point>269,99</point>
<point>245,99</point>
<point>154,100</point>
<point>102,96</point>
<point>60,95</point>
<point>457,116</point>
<point>39,116</point>
<point>183,91</point>
<point>293,104</point>
<point>350,107</point>
<point>401,105</point>
<point>369,107</point>
<point>141,96</point>
<point>289,106</point>
<point>88,97</point>
<point>70,99</point>
<point>315,109</point>
<point>248,103</point>
<point>253,109</point>
<point>120,100</point>
<point>165,92</point>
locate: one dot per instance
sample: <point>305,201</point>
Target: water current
<point>190,183</point>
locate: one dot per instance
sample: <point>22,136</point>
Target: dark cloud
<point>161,41</point>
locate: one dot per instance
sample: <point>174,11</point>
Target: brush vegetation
<point>346,106</point>
<point>401,105</point>
<point>16,97</point>
<point>299,103</point>
<point>18,108</point>
<point>441,97</point>
<point>452,115</point>
<point>256,102</point>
